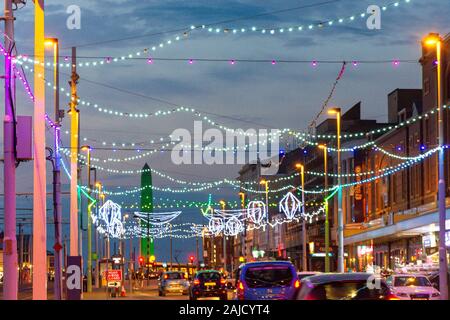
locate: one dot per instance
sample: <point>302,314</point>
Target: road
<point>147,292</point>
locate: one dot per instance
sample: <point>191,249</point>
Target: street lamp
<point>304,238</point>
<point>337,112</point>
<point>57,206</point>
<point>88,149</point>
<point>327,223</point>
<point>433,40</point>
<point>244,234</point>
<point>223,206</point>
<point>266,184</point>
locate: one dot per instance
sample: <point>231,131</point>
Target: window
<point>174,275</point>
<point>402,116</point>
<point>411,281</point>
<point>426,86</point>
<point>346,290</point>
<point>268,276</point>
<point>207,276</point>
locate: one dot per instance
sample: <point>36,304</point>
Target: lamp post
<point>57,206</point>
<point>88,149</point>
<point>223,205</point>
<point>304,236</point>
<point>39,167</point>
<point>434,40</point>
<point>244,235</point>
<point>266,184</point>
<point>337,112</point>
<point>98,186</point>
<point>122,247</point>
<point>327,223</point>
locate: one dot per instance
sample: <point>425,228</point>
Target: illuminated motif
<point>233,226</point>
<point>256,211</point>
<point>289,205</point>
<point>110,214</point>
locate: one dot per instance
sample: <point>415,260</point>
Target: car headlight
<point>436,294</point>
<point>402,294</point>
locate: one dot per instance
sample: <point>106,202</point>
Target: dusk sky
<point>242,95</point>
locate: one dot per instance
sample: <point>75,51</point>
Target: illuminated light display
<point>290,205</point>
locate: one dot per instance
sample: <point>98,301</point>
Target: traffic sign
<point>113,275</point>
<point>57,246</point>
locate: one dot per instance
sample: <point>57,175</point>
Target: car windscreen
<point>411,281</point>
<point>209,276</point>
<point>174,276</point>
<point>268,276</point>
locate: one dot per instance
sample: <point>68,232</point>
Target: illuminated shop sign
<point>429,240</point>
<point>363,250</point>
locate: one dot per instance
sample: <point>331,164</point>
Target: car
<point>412,287</point>
<point>434,279</point>
<point>266,280</point>
<point>208,283</point>
<point>173,282</point>
<point>344,286</point>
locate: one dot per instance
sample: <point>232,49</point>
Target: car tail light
<point>296,284</point>
<point>196,282</point>
<point>223,281</point>
<point>166,276</point>
<point>240,290</point>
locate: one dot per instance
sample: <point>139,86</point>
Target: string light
<point>225,30</point>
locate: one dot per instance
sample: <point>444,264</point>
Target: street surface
<point>148,292</point>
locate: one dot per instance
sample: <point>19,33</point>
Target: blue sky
<point>276,96</point>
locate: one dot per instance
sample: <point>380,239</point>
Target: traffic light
<point>191,259</point>
<point>141,260</point>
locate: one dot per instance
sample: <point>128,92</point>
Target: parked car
<point>208,283</point>
<point>173,282</point>
<point>412,287</point>
<point>266,280</point>
<point>344,286</point>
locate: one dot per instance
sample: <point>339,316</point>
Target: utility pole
<point>39,163</point>
<point>198,257</point>
<point>74,156</point>
<point>171,248</point>
<point>20,253</point>
<point>57,206</point>
<point>89,221</point>
<point>131,266</point>
<point>10,288</point>
<point>434,40</point>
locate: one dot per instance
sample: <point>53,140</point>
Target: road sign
<point>57,246</point>
<point>113,275</point>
